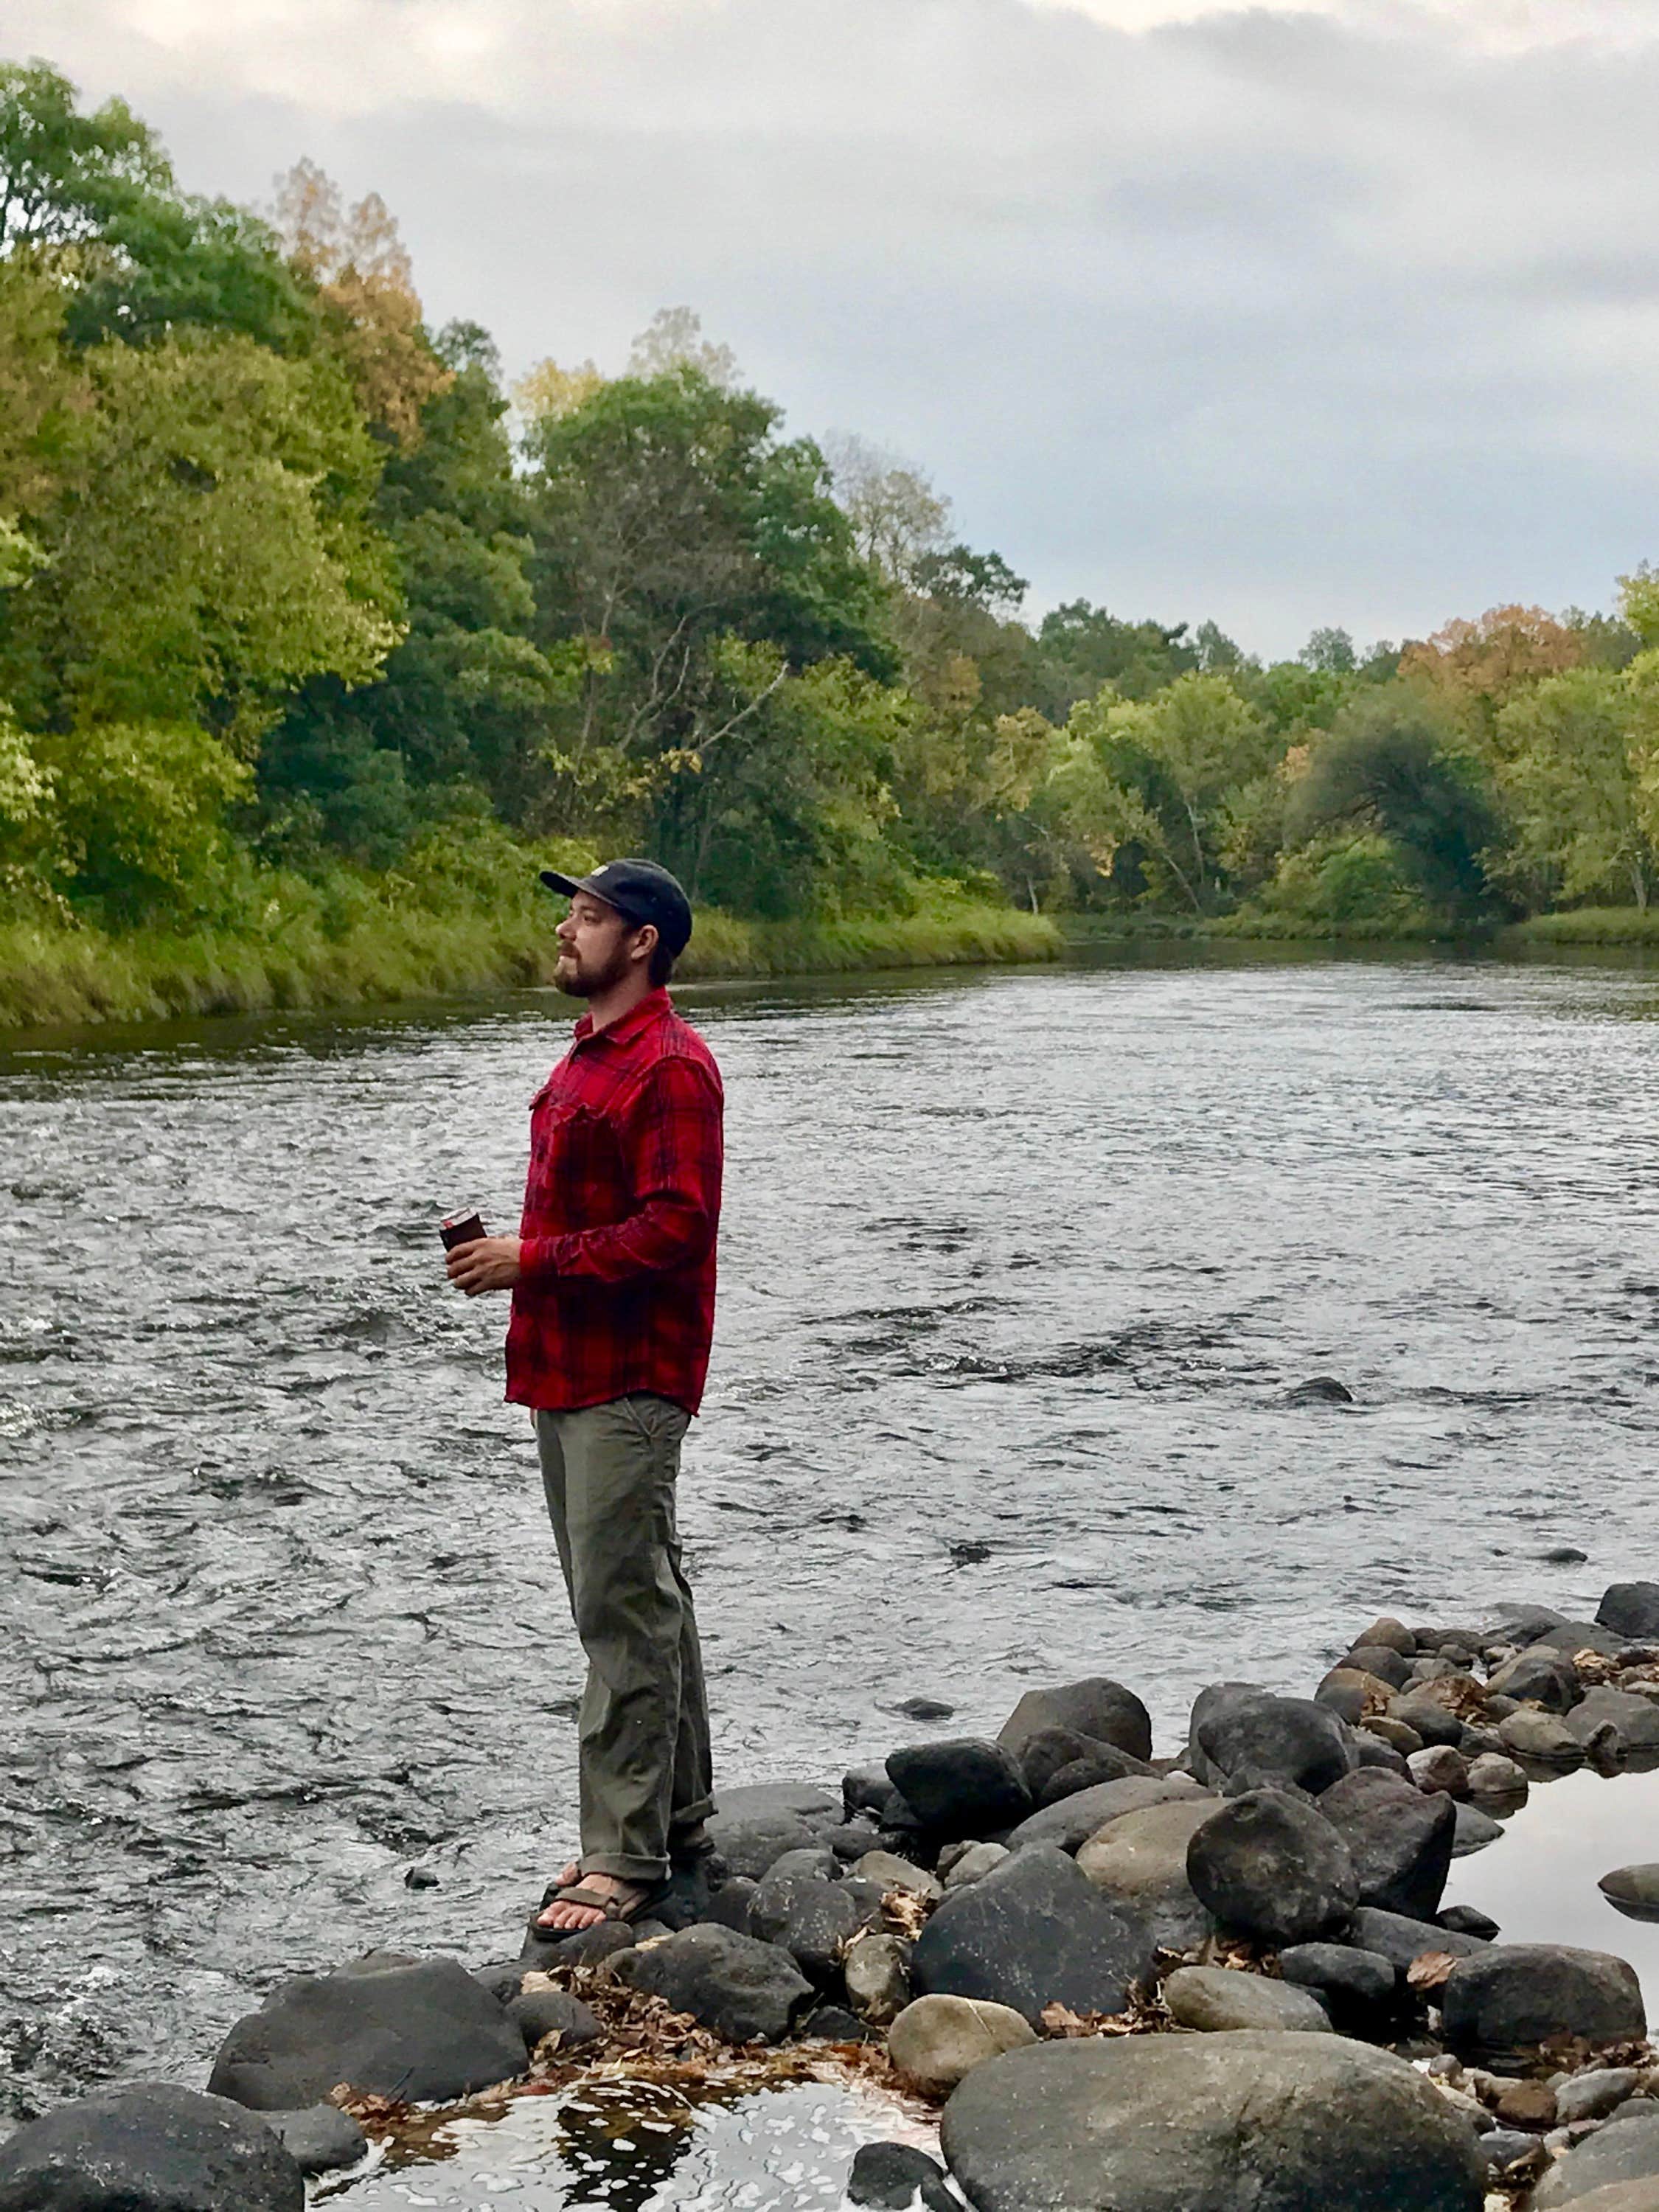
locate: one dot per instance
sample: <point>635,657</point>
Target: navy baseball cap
<point>640,890</point>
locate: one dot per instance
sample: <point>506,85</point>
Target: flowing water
<point>1021,1272</point>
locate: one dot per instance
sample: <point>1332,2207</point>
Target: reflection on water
<point>1540,1882</point>
<point>1021,1273</point>
<point>617,2147</point>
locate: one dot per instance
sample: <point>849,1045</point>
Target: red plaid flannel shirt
<point>622,1200</point>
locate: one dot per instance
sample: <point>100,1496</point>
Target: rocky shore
<point>1220,1979</point>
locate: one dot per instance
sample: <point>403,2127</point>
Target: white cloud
<point>1333,311</point>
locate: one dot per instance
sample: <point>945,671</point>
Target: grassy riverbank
<point>51,974</point>
<point>1601,925</point>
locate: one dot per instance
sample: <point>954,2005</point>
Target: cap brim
<point>556,882</point>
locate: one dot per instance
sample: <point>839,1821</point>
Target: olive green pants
<point>646,1777</point>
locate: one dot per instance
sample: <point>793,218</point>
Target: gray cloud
<point>1287,318</point>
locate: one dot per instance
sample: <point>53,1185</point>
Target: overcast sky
<point>1337,311</point>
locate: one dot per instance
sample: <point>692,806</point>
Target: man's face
<point>598,948</point>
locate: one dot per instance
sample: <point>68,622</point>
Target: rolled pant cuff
<point>624,1869</point>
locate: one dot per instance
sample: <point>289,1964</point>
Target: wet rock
<point>867,1795</point>
<point>937,2041</point>
<point>876,1974</point>
<point>812,1919</point>
<point>1357,1988</point>
<point>888,1871</point>
<point>1430,1717</point>
<point>1496,1777</point>
<point>1242,1738</point>
<point>1095,1707</point>
<point>1474,1831</point>
<point>976,1860</point>
<point>1633,1890</point>
<point>423,2033</point>
<point>746,1990</point>
<point>1468,1920</point>
<point>1401,1940</point>
<point>731,1904</point>
<point>1140,1862</point>
<point>757,1823</point>
<point>835,2023</point>
<point>1381,1663</point>
<point>1438,1767</point>
<point>321,2139</point>
<point>151,2148</point>
<point>1206,2124</point>
<point>960,1787</point>
<point>541,2012</point>
<point>1514,1996</point>
<point>1629,1609</point>
<point>1069,1824</point>
<point>893,2177</point>
<point>1319,1390</point>
<point>1540,1737</point>
<point>1539,1675</point>
<point>1628,2154</point>
<point>1636,1719</point>
<point>1034,1931</point>
<point>1269,1866</point>
<point>1592,2096</point>
<point>1393,1635</point>
<point>1219,1999</point>
<point>1399,1839</point>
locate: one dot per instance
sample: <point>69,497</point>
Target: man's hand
<point>488,1263</point>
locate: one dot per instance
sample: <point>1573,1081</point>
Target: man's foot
<point>593,1897</point>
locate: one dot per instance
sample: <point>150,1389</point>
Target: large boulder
<point>1070,1824</point>
<point>1543,1738</point>
<point>1539,1675</point>
<point>1095,1707</point>
<point>1504,2002</point>
<point>760,1821</point>
<point>937,2041</point>
<point>1636,1720</point>
<point>812,1919</point>
<point>1140,1861</point>
<point>1219,1998</point>
<point>1630,1610</point>
<point>1242,1738</point>
<point>746,1990</point>
<point>1270,1866</point>
<point>423,2032</point>
<point>1623,2158</point>
<point>960,1787</point>
<point>151,2148</point>
<point>1208,2123</point>
<point>1400,1839</point>
<point>1034,1931</point>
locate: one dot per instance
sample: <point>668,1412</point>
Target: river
<point>1021,1272</point>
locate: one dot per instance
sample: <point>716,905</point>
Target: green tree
<point>1574,755</point>
<point>1079,648</point>
<point>139,814</point>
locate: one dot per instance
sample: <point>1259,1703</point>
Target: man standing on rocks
<point>612,1276</point>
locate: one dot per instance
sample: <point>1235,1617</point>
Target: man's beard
<point>578,982</point>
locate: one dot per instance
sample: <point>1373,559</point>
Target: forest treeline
<point>306,619</point>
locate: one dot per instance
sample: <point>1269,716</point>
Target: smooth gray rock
<point>937,2041</point>
<point>1542,1737</point>
<point>1358,1989</point>
<point>1626,2155</point>
<point>1140,1862</point>
<point>1393,1634</point>
<point>1592,2096</point>
<point>1575,1636</point>
<point>548,2012</point>
<point>1208,2123</point>
<point>1270,1866</point>
<point>1401,1940</point>
<point>877,1973</point>
<point>1634,1890</point>
<point>1034,1931</point>
<point>1096,1706</point>
<point>154,2147</point>
<point>1540,1675</point>
<point>1220,1999</point>
<point>1629,1609</point>
<point>588,1946</point>
<point>1496,1779</point>
<point>1052,1763</point>
<point>755,1825</point>
<point>889,1872</point>
<point>889,2177</point>
<point>425,2032</point>
<point>1439,1767</point>
<point>812,1919</point>
<point>1514,1996</point>
<point>746,1990</point>
<point>1474,1831</point>
<point>731,1904</point>
<point>1435,1722</point>
<point>1242,1738</point>
<point>1068,1826</point>
<point>1637,1719</point>
<point>978,1859</point>
<point>1468,1920</point>
<point>960,1787</point>
<point>1400,1839</point>
<point>321,2139</point>
<point>1389,1665</point>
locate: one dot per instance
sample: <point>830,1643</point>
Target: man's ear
<point>645,941</point>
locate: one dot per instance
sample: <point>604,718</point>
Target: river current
<point>1021,1273</point>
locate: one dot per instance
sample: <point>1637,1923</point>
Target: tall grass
<point>50,975</point>
<point>1589,925</point>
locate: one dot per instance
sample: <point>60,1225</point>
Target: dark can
<point>461,1229</point>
